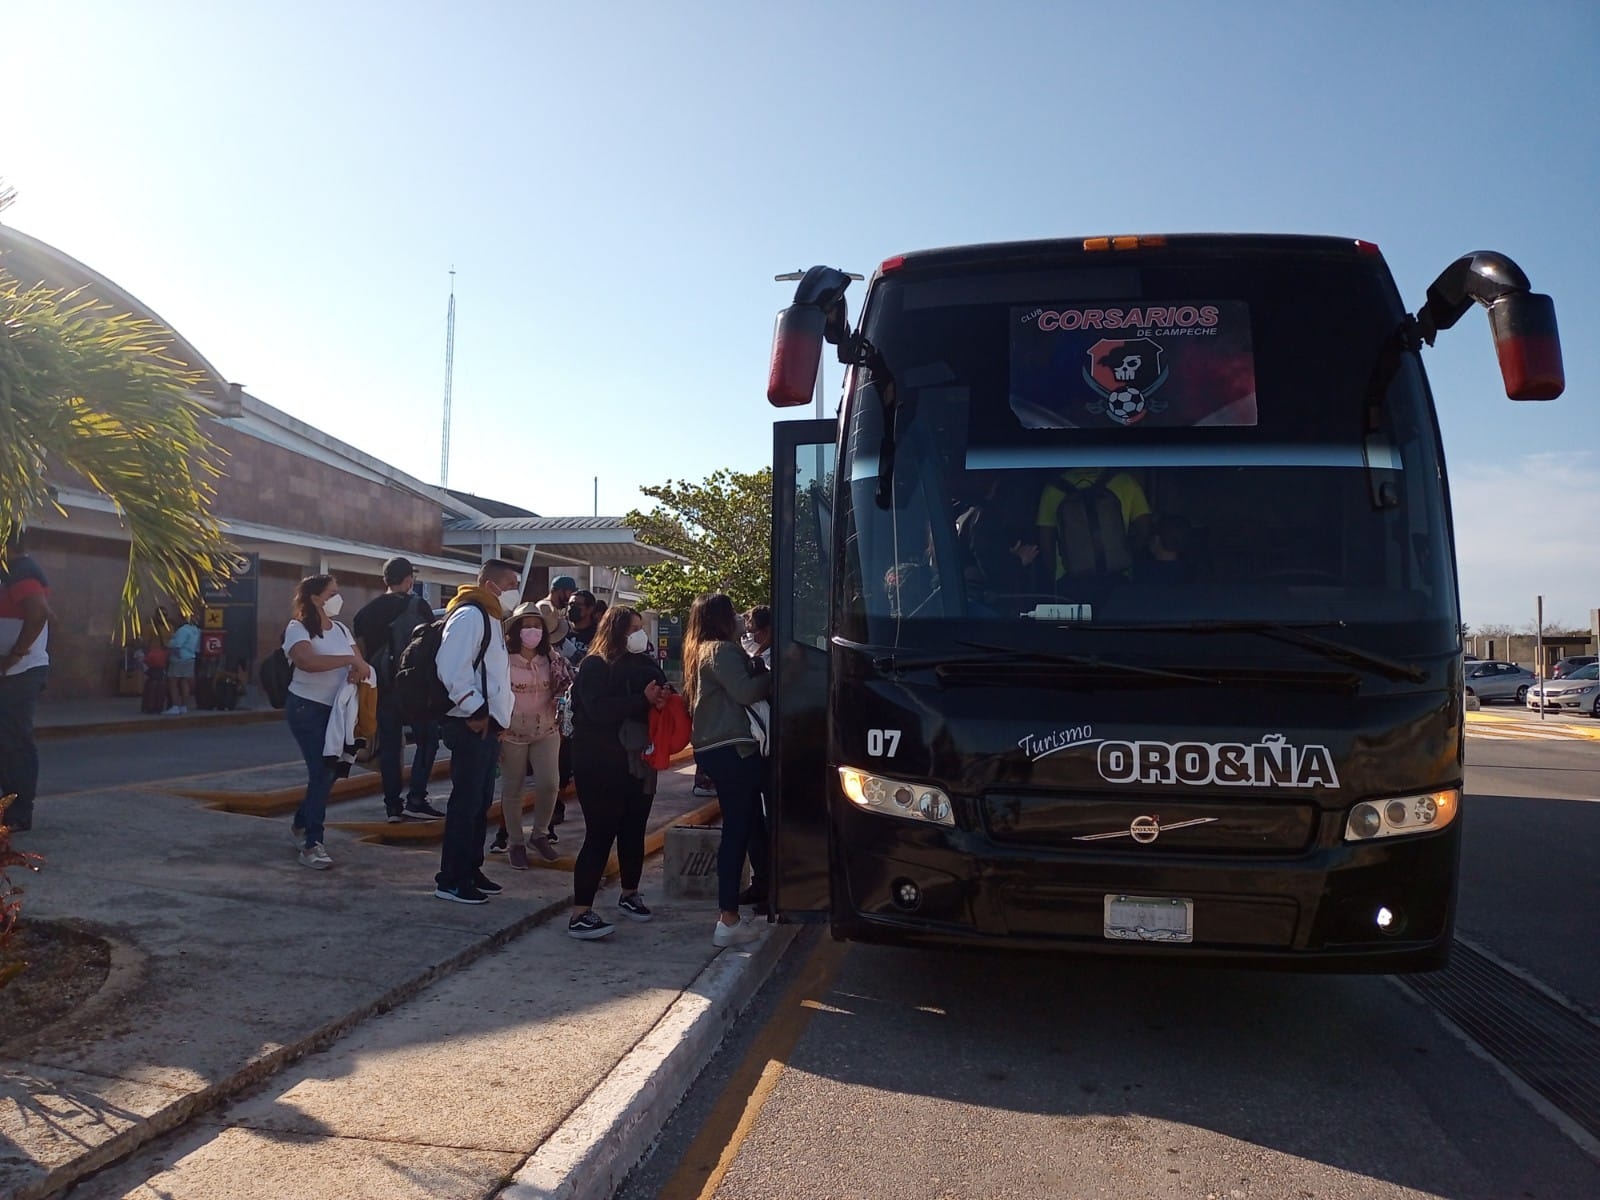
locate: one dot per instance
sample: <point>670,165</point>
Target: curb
<point>285,800</point>
<point>590,1155</point>
<point>382,833</point>
<point>153,722</point>
<point>187,1108</point>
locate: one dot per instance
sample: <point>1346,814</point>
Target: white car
<point>1578,692</point>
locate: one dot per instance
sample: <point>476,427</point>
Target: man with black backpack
<point>1092,524</point>
<point>473,671</point>
<point>383,627</point>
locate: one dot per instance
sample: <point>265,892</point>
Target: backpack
<point>421,693</point>
<point>276,674</point>
<point>1090,535</point>
<point>386,658</point>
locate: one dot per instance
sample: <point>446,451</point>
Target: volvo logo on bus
<point>1144,830</point>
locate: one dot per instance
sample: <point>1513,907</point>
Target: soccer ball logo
<point>1126,407</point>
<point>1124,372</point>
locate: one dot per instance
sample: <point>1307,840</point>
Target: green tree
<point>89,396</point>
<point>721,527</point>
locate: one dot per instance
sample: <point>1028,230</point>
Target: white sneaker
<point>735,935</point>
<point>316,858</point>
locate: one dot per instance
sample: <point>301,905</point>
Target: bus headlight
<point>1402,815</point>
<point>897,798</point>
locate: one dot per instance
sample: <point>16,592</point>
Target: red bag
<point>155,658</point>
<point>669,731</point>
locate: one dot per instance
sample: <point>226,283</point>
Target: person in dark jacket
<point>720,685</point>
<point>611,701</point>
<point>382,627</point>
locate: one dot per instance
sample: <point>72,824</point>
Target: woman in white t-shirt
<point>324,655</point>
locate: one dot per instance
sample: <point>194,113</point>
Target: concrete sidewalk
<point>270,1031</point>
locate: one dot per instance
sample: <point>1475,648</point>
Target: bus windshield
<point>1147,445</point>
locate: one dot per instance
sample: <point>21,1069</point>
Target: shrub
<point>10,895</point>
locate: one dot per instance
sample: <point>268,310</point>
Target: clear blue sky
<point>288,184</point>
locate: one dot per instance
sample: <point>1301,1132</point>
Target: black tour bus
<point>1117,612</point>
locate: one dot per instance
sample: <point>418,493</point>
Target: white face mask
<point>508,601</point>
<point>751,646</point>
<point>333,604</point>
<point>638,642</point>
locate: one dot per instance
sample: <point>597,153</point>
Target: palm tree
<point>90,396</point>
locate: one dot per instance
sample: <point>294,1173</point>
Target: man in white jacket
<point>476,673</point>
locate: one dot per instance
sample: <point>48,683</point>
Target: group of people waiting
<point>516,703</point>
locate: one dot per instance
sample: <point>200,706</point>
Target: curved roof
<point>33,261</point>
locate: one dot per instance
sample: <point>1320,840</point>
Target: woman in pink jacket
<point>533,740</point>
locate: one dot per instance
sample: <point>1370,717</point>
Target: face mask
<point>508,601</point>
<point>333,604</point>
<point>751,646</point>
<point>530,637</point>
<point>638,642</point>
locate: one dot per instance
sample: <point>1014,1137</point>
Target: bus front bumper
<point>1384,906</point>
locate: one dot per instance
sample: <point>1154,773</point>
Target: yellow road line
<point>706,1162</point>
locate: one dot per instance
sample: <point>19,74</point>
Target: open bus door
<point>802,543</point>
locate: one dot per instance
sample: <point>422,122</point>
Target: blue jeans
<point>391,749</point>
<point>19,752</point>
<point>739,779</point>
<point>466,817</point>
<point>308,721</point>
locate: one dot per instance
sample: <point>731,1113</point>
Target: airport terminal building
<point>295,501</point>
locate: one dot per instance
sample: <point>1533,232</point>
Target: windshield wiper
<point>1293,634</point>
<point>998,654</point>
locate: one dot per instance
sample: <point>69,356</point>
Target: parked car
<point>1566,666</point>
<point>1577,692</point>
<point>1490,681</point>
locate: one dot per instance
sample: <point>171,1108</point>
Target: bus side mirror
<point>1528,346</point>
<point>1523,321</point>
<point>796,355</point>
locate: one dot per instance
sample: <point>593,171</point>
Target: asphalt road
<point>865,1071</point>
<point>1530,869</point>
<point>81,763</point>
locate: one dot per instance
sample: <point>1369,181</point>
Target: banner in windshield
<point>1129,363</point>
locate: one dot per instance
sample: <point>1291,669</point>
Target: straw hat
<point>556,626</point>
<point>526,609</point>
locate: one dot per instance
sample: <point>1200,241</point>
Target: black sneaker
<point>498,846</point>
<point>633,904</point>
<point>486,885</point>
<point>423,809</point>
<point>407,814</point>
<point>588,926</point>
<point>394,816</point>
<point>462,893</point>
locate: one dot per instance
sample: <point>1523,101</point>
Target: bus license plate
<point>1149,919</point>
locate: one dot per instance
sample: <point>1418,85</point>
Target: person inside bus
<point>998,543</point>
<point>1170,557</point>
<point>1090,522</point>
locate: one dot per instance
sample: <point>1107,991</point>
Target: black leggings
<point>615,809</point>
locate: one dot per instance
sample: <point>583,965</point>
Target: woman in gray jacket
<point>719,681</point>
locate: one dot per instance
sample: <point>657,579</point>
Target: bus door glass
<point>802,521</point>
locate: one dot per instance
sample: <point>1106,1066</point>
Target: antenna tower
<point>449,380</point>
